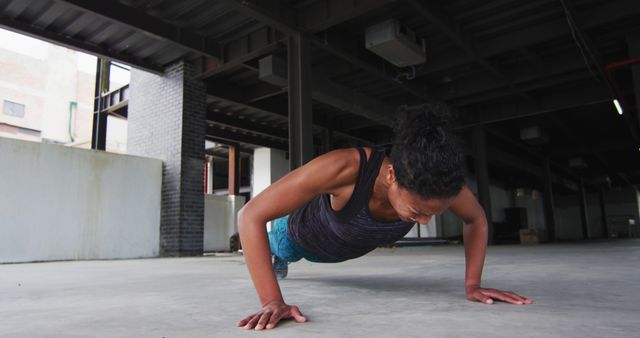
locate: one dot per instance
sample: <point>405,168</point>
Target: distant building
<point>47,93</point>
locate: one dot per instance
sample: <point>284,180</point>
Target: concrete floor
<point>579,290</point>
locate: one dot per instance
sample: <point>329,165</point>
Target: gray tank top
<point>350,232</point>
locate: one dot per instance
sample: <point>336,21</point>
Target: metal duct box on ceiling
<point>395,43</point>
<point>272,69</point>
<point>534,135</point>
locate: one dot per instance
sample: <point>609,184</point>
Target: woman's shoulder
<point>349,157</point>
<point>344,163</point>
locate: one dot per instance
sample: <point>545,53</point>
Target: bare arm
<point>475,236</point>
<point>322,175</point>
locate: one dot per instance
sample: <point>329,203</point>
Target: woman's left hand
<point>487,296</point>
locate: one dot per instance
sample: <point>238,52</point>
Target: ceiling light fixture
<point>618,106</point>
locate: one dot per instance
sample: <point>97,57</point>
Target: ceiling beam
<point>332,94</point>
<point>231,97</point>
<point>270,13</point>
<point>236,122</point>
<point>552,101</point>
<point>536,155</point>
<point>152,26</point>
<point>247,93</point>
<point>237,52</point>
<point>611,11</point>
<point>324,14</point>
<point>72,43</point>
<point>432,13</point>
<point>553,81</point>
<point>226,136</point>
<point>481,83</point>
<point>356,55</point>
<point>568,132</point>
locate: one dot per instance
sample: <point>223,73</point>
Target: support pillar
<point>633,42</point>
<point>549,211</point>
<point>482,173</point>
<point>167,121</point>
<point>327,140</point>
<point>208,189</point>
<point>99,129</point>
<point>234,170</point>
<point>583,210</point>
<point>269,165</point>
<point>300,114</point>
<point>603,213</point>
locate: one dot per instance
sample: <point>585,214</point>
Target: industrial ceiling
<point>541,76</point>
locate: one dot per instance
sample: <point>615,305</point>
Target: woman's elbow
<point>246,220</point>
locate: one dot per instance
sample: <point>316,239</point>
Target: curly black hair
<point>427,159</point>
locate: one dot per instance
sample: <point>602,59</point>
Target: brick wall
<point>167,121</point>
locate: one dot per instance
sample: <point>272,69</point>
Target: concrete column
<point>167,121</point>
<point>583,210</point>
<point>549,211</point>
<point>603,213</point>
<point>234,170</point>
<point>327,140</point>
<point>633,41</point>
<point>210,176</point>
<point>482,173</point>
<point>269,165</point>
<point>300,114</point>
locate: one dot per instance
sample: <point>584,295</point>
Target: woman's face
<point>412,207</point>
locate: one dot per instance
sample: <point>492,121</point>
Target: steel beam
<point>527,78</point>
<point>99,128</point>
<point>140,21</point>
<point>603,213</point>
<point>482,176</point>
<point>243,49</point>
<point>577,96</point>
<point>234,122</point>
<point>435,15</point>
<point>633,42</point>
<point>324,14</point>
<point>227,137</point>
<point>300,114</point>
<point>270,14</point>
<point>548,200</point>
<point>372,66</point>
<point>536,85</point>
<point>609,12</point>
<point>231,97</point>
<point>327,140</point>
<point>532,169</point>
<point>584,216</point>
<point>69,42</point>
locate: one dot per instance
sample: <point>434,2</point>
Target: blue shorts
<point>284,247</point>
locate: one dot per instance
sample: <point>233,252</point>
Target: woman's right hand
<point>270,315</point>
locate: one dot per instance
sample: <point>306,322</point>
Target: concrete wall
<point>620,203</point>
<point>269,165</point>
<point>532,201</point>
<point>450,225</point>
<point>62,203</point>
<point>220,221</point>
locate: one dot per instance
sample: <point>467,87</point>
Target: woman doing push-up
<point>347,202</point>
